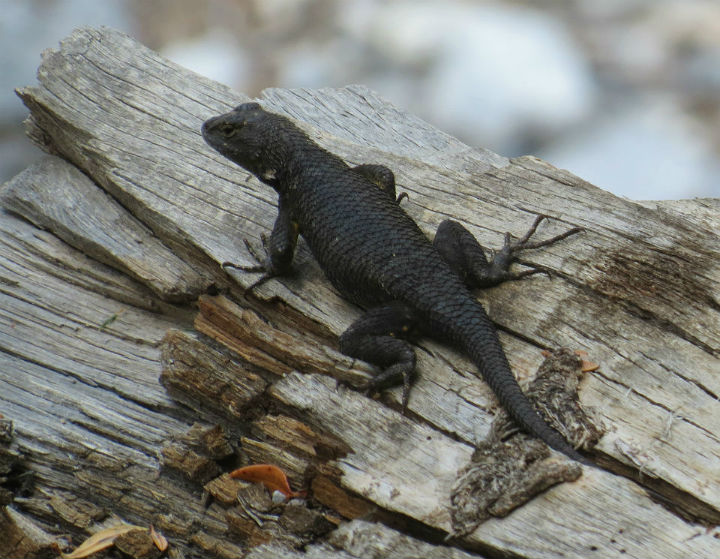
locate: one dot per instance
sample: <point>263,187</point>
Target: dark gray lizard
<point>377,256</point>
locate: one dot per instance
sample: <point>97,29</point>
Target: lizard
<point>377,257</point>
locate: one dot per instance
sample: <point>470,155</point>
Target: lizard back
<point>366,244</point>
<point>368,247</point>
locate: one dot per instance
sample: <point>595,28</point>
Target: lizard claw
<point>508,253</point>
<point>389,378</point>
<point>263,265</point>
<point>524,242</point>
<point>407,382</point>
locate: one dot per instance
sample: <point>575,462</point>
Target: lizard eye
<point>228,130</point>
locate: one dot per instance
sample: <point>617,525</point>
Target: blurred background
<point>624,93</point>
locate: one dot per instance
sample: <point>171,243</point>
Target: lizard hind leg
<point>376,337</point>
<point>467,257</point>
<point>382,177</point>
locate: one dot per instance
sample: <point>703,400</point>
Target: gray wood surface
<point>84,216</point>
<point>81,341</point>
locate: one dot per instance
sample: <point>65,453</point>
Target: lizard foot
<point>392,376</point>
<point>508,253</point>
<point>524,242</point>
<point>467,257</point>
<point>377,337</point>
<point>263,265</point>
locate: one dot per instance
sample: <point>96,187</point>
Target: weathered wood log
<point>81,342</point>
<point>84,216</point>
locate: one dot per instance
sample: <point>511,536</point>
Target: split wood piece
<point>196,467</point>
<point>201,377</point>
<point>298,438</point>
<point>138,544</point>
<point>21,536</point>
<point>129,119</point>
<point>198,375</point>
<point>368,539</point>
<point>224,489</point>
<point>89,413</point>
<point>217,546</point>
<point>409,468</point>
<point>206,378</point>
<point>624,291</point>
<point>55,195</point>
<point>270,348</point>
<point>326,489</point>
<point>196,453</point>
<point>360,539</point>
<point>510,467</point>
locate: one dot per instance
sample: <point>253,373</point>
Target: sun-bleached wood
<point>80,342</point>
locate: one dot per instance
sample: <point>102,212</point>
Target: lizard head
<point>250,136</point>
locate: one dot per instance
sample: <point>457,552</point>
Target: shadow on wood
<point>107,245</point>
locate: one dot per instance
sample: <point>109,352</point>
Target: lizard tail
<point>483,346</point>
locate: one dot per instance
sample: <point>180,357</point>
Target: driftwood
<point>129,396</point>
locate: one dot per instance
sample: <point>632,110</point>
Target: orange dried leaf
<point>589,366</point>
<point>270,476</point>
<point>99,541</point>
<point>158,539</point>
<point>586,366</point>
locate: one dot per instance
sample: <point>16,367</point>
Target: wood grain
<point>81,342</point>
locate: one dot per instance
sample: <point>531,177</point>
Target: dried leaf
<point>158,539</point>
<point>586,366</point>
<point>589,366</point>
<point>99,541</point>
<point>270,476</point>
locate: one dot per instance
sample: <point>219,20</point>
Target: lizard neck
<point>300,168</point>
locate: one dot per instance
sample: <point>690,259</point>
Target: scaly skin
<point>377,256</point>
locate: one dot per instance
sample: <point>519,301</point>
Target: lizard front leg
<point>376,338</point>
<point>467,257</point>
<point>279,248</point>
